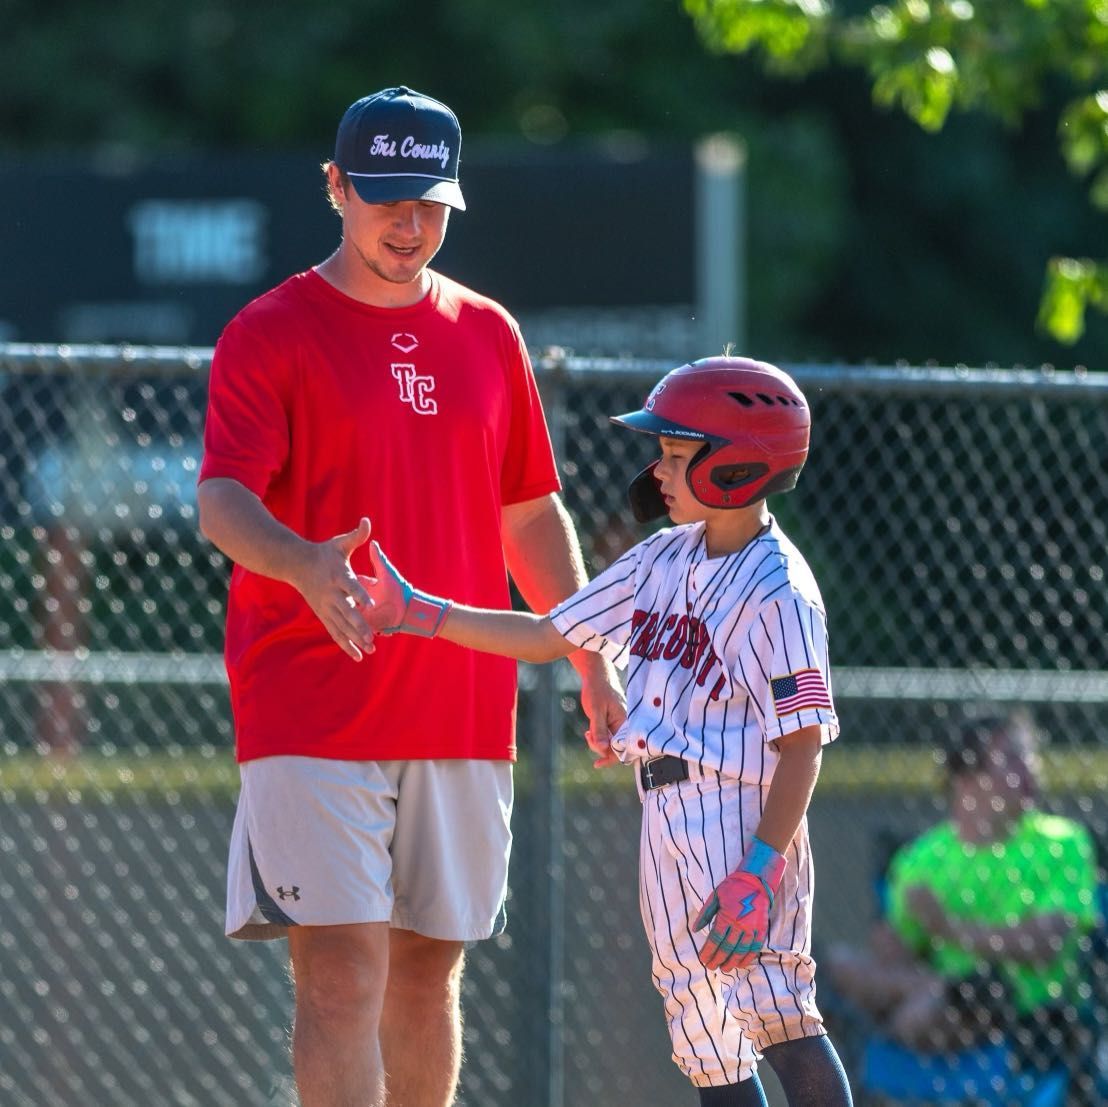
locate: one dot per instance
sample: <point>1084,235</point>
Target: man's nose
<point>407,218</point>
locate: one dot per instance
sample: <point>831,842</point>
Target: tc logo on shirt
<point>414,388</point>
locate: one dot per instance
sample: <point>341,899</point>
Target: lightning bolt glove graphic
<point>738,910</point>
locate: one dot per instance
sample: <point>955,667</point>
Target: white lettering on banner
<point>415,389</point>
<point>198,241</point>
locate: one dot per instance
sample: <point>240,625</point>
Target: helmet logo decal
<point>652,399</point>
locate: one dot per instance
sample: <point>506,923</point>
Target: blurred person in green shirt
<point>988,917</point>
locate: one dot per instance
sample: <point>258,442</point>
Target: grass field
<point>211,772</point>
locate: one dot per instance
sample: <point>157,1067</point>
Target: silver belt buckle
<point>648,772</point>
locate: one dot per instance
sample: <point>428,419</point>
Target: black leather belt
<point>663,770</point>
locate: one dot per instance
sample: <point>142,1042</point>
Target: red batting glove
<point>397,607</point>
<point>739,910</point>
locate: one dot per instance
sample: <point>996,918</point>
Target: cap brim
<point>648,423</point>
<point>388,190</point>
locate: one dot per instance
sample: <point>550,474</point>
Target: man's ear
<point>336,187</point>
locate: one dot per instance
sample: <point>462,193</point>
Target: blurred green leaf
<point>929,58</point>
<point>1072,286</point>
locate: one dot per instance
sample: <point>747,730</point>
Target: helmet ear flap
<point>645,497</point>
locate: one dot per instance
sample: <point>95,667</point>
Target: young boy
<point>721,626</point>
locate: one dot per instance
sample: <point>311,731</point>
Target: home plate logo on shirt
<point>799,690</point>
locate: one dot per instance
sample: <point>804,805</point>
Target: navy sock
<point>747,1093</point>
<point>810,1072</point>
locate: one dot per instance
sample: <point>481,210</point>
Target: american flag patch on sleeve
<point>798,691</point>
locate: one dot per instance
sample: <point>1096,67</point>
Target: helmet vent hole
<point>783,400</point>
<point>743,399</point>
<point>765,399</point>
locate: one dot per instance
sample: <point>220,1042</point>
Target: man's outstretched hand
<point>333,591</point>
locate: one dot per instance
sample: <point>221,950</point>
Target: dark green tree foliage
<point>1006,58</point>
<point>868,239</point>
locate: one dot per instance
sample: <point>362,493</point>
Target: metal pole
<point>548,783</point>
<point>721,243</point>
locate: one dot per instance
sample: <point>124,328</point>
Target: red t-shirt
<point>428,420</point>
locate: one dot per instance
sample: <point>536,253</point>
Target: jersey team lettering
<point>657,635</point>
<point>799,691</point>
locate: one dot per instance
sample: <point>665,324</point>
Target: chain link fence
<point>957,521</point>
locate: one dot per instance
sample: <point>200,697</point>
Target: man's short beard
<point>376,269</point>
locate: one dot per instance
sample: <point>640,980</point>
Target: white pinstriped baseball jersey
<point>724,654</point>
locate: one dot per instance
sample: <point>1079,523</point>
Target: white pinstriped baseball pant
<point>693,834</point>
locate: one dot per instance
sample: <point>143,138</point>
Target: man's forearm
<point>543,553</point>
<point>544,558</point>
<point>236,521</point>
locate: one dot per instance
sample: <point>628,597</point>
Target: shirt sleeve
<point>783,664</point>
<point>246,430</point>
<point>529,469</point>
<point>1067,878</point>
<point>600,617</point>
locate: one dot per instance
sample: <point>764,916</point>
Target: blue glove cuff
<point>764,862</point>
<point>423,613</point>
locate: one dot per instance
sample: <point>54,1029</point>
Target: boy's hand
<point>389,593</point>
<point>395,606</point>
<point>739,910</point>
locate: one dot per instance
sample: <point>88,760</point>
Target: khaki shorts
<point>421,845</point>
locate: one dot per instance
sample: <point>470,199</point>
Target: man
<point>372,825</point>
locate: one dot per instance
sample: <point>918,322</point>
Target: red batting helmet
<point>752,419</point>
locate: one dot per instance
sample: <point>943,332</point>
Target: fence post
<point>550,801</point>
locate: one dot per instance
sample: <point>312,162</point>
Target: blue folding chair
<point>982,1075</point>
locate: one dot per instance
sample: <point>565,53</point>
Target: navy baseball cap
<point>398,144</point>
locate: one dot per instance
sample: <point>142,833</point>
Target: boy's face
<point>682,505</point>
